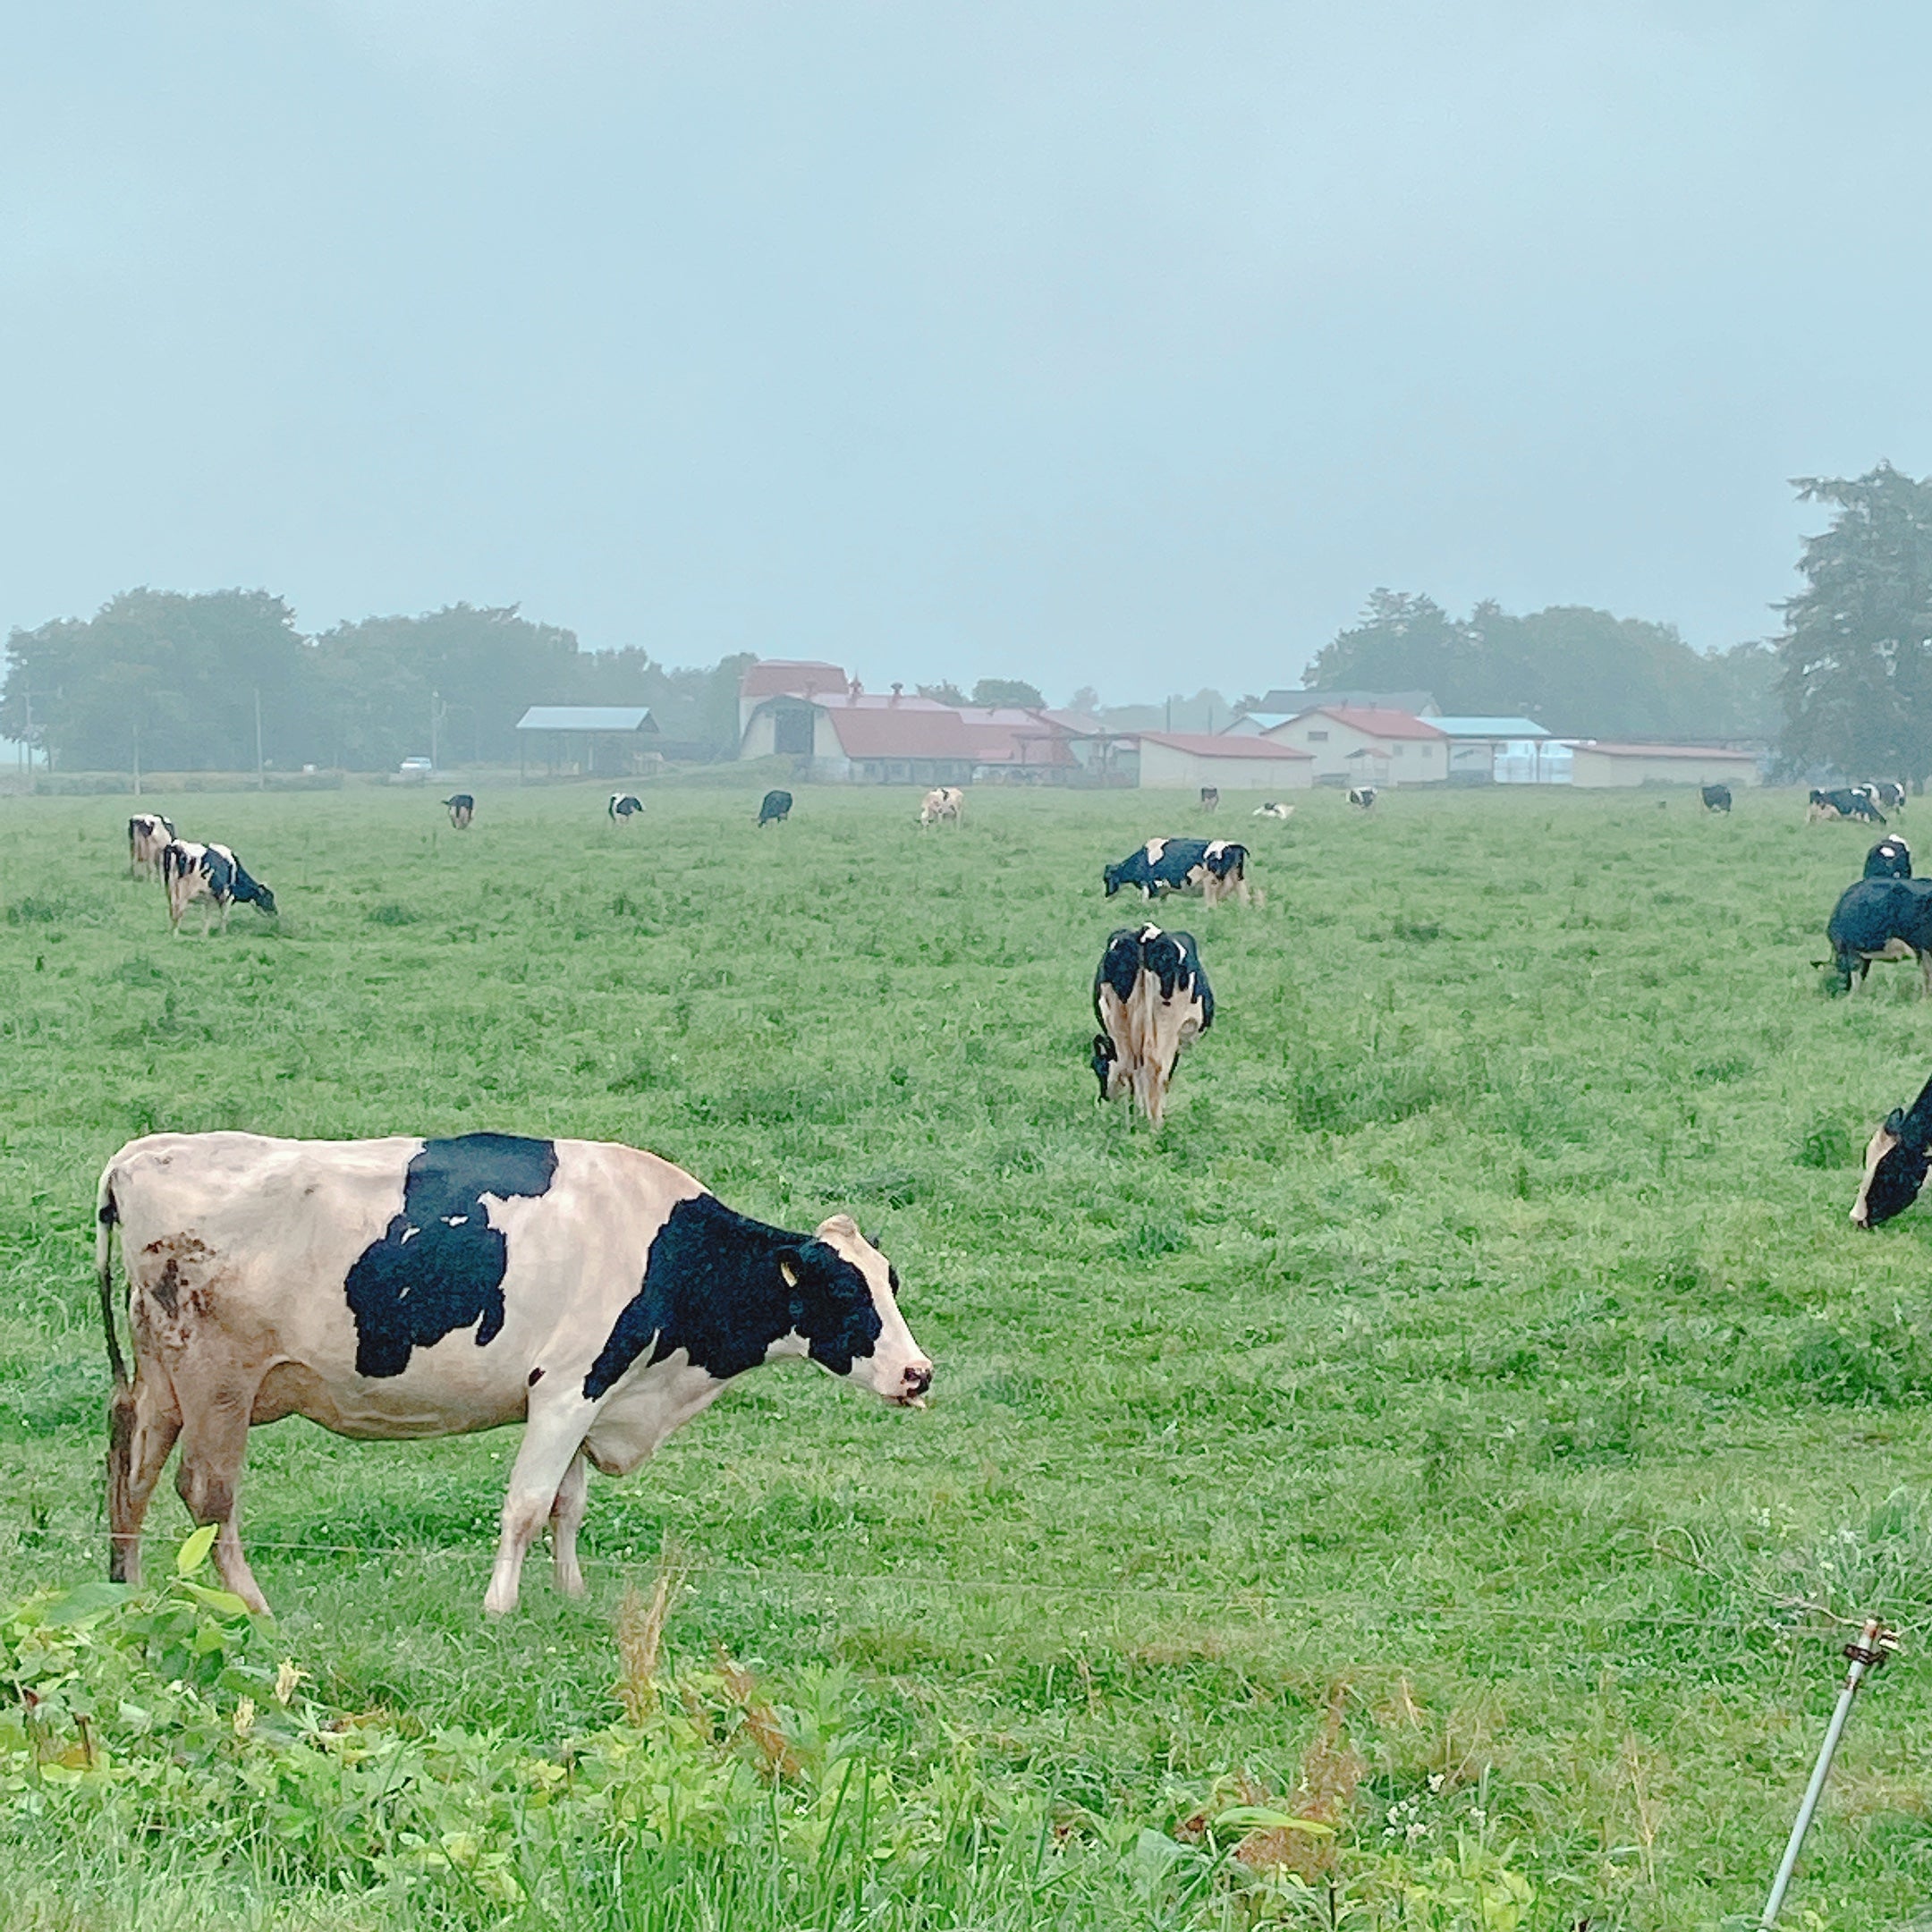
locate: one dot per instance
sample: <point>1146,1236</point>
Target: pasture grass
<point>1475,1405</point>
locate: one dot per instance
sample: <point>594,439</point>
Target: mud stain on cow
<point>439,1265</point>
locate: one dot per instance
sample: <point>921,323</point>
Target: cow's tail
<point>107,1218</point>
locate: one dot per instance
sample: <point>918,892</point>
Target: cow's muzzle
<point>917,1380</point>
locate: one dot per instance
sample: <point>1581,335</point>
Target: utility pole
<point>261,778</point>
<point>137,761</point>
<point>436,719</point>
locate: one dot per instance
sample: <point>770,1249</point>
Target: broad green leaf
<point>84,1603</point>
<point>194,1552</point>
<point>222,1602</point>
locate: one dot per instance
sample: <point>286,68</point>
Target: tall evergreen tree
<point>1856,653</point>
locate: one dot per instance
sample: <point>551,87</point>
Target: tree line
<point>182,682</point>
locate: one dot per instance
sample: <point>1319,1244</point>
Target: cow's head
<point>1111,877</point>
<point>1896,1159</point>
<point>1103,1061</point>
<point>844,1306</point>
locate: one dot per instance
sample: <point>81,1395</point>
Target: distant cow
<point>1363,795</point>
<point>1272,809</point>
<point>1151,998</point>
<point>462,809</point>
<point>1210,798</point>
<point>1885,793</point>
<point>946,801</point>
<point>414,1287</point>
<point>1882,918</point>
<point>1896,1158</point>
<point>1215,869</point>
<point>148,835</point>
<point>1717,798</point>
<point>776,809</point>
<point>1889,859</point>
<point>1850,803</point>
<point>623,807</point>
<point>210,872</point>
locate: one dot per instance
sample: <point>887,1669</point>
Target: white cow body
<point>944,802</point>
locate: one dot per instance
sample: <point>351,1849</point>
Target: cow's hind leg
<point>141,1428</point>
<point>214,1425</point>
<point>566,1517</point>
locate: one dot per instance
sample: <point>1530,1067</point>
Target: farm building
<point>1502,750</point>
<point>1280,706</point>
<point>1183,761</point>
<point>1604,765</point>
<point>606,740</point>
<point>1378,748</point>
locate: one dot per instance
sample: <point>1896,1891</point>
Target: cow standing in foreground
<point>1896,1158</point>
<point>1716,798</point>
<point>462,809</point>
<point>1151,998</point>
<point>1210,798</point>
<point>774,808</point>
<point>623,807</point>
<point>399,1288</point>
<point>1882,918</point>
<point>148,835</point>
<point>210,872</point>
<point>1847,804</point>
<point>1890,857</point>
<point>944,803</point>
<point>1363,795</point>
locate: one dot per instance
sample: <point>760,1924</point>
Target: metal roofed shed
<point>1503,750</point>
<point>1623,765</point>
<point>590,741</point>
<point>1181,761</point>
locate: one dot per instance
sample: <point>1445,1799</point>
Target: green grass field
<point>1465,1421</point>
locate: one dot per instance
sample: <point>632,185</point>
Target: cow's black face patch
<point>439,1265</point>
<point>1103,1060</point>
<point>716,1286</point>
<point>1894,1181</point>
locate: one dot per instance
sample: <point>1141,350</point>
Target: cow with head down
<point>1151,998</point>
<point>1896,1159</point>
<point>148,835</point>
<point>943,804</point>
<point>213,874</point>
<point>412,1287</point>
<point>1211,869</point>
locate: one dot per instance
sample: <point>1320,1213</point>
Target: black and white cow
<point>1885,795</point>
<point>623,807</point>
<point>1890,857</point>
<point>210,872</point>
<point>407,1287</point>
<point>944,803</point>
<point>1850,803</point>
<point>462,809</point>
<point>1151,998</point>
<point>1716,798</point>
<point>1882,918</point>
<point>1272,809</point>
<point>1215,869</point>
<point>776,809</point>
<point>1363,795</point>
<point>1896,1158</point>
<point>1210,798</point>
<point>148,834</point>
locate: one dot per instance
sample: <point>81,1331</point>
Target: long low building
<point>1183,761</point>
<point>1630,765</point>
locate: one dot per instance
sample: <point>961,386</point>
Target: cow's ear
<point>841,1225</point>
<point>1894,1122</point>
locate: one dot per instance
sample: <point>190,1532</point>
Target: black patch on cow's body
<point>1716,798</point>
<point>622,804</point>
<point>776,808</point>
<point>714,1285</point>
<point>439,1265</point>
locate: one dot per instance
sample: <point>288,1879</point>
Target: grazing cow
<point>1151,998</point>
<point>1890,857</point>
<point>1896,1158</point>
<point>774,809</point>
<point>1216,869</point>
<point>1882,918</point>
<point>210,872</point>
<point>1272,809</point>
<point>462,809</point>
<point>1887,795</point>
<point>408,1287</point>
<point>1717,798</point>
<point>1850,803</point>
<point>148,834</point>
<point>948,801</point>
<point>1363,795</point>
<point>623,807</point>
<point>1210,798</point>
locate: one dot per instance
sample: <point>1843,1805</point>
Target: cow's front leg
<point>551,1444</point>
<point>566,1517</point>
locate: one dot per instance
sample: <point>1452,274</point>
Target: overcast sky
<point>1121,344</point>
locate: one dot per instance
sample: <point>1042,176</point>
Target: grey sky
<point>1117,343</point>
